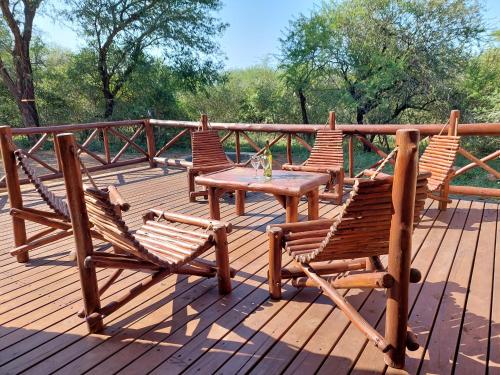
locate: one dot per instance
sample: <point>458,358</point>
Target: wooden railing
<point>148,132</point>
<point>44,153</point>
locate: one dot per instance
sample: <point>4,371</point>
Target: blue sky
<point>255,27</point>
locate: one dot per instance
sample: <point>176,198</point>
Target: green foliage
<point>381,58</point>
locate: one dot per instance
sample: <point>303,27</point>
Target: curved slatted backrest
<point>438,158</point>
<point>207,149</point>
<point>106,221</point>
<point>327,150</point>
<point>57,204</point>
<point>362,228</point>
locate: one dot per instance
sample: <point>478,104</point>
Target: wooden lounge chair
<point>157,247</point>
<point>438,159</point>
<point>327,156</point>
<point>56,221</point>
<point>377,219</point>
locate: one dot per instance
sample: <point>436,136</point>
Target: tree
<point>121,33</point>
<point>385,57</point>
<point>16,32</point>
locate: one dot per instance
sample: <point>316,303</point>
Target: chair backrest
<point>362,229</point>
<point>57,204</point>
<point>207,149</point>
<point>327,150</point>
<point>438,159</point>
<point>107,222</point>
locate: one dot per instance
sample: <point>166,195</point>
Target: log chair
<point>438,159</point>
<point>327,156</point>
<point>377,219</point>
<point>207,156</point>
<point>157,247</point>
<point>56,221</point>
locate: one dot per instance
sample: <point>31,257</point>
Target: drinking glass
<point>255,161</point>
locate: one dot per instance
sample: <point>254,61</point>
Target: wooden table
<point>286,186</point>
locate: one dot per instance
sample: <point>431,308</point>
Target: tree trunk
<point>360,116</point>
<point>109,105</point>
<point>303,108</point>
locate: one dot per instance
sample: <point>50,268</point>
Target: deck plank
<point>184,326</point>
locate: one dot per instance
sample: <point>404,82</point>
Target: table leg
<point>313,204</point>
<point>213,203</point>
<point>240,202</point>
<point>292,209</point>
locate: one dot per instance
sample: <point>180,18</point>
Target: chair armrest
<point>117,199</point>
<point>303,225</point>
<point>153,214</point>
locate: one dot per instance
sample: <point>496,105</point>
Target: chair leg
<point>443,193</point>
<point>275,236</point>
<point>222,260</point>
<point>339,187</point>
<point>191,186</point>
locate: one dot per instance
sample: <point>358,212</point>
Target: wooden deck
<point>183,325</point>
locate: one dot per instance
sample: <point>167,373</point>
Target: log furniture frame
<point>377,219</point>
<point>57,221</point>
<point>156,247</point>
<point>438,159</point>
<point>327,156</point>
<point>286,186</point>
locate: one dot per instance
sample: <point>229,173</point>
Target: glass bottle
<point>268,165</point>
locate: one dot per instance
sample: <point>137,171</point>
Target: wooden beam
<point>80,223</point>
<point>400,245</point>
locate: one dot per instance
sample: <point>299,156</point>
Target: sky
<point>252,37</point>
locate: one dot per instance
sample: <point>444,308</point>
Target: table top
<point>289,183</point>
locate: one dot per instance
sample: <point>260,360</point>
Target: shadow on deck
<point>183,325</point>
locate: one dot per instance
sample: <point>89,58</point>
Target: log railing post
<point>150,142</point>
<point>237,146</point>
<point>57,151</point>
<point>13,189</point>
<point>400,245</point>
<point>351,156</point>
<point>204,122</point>
<point>453,122</point>
<point>81,231</point>
<point>289,157</point>
<point>445,189</point>
<point>105,141</point>
<point>331,120</point>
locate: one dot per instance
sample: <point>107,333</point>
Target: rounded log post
<point>81,225</point>
<point>275,236</point>
<point>453,122</point>
<point>105,141</point>
<point>57,150</point>
<point>191,184</point>
<point>150,142</point>
<point>400,244</point>
<point>445,189</point>
<point>204,122</point>
<point>351,156</point>
<point>292,209</point>
<point>289,158</point>
<point>237,146</point>
<point>213,203</point>
<point>13,190</point>
<point>313,204</point>
<point>331,120</point>
<point>222,259</point>
<point>240,202</point>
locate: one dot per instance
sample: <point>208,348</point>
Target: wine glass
<point>255,161</point>
<point>264,161</point>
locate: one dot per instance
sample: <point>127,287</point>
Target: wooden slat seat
<point>326,157</point>
<point>156,246</point>
<point>438,159</point>
<point>57,204</point>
